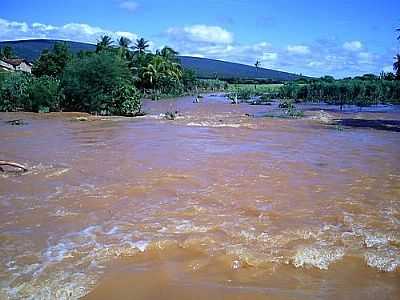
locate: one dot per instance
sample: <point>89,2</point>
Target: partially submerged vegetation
<point>361,91</point>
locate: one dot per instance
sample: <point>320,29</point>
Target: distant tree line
<point>361,91</point>
<point>109,81</point>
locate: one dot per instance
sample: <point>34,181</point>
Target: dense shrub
<point>98,84</point>
<point>286,104</point>
<point>126,100</point>
<point>14,91</point>
<point>44,94</point>
<point>21,91</point>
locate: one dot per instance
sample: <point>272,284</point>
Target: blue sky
<point>340,38</point>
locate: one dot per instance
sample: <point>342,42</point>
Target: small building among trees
<point>15,64</point>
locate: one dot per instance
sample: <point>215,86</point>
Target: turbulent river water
<point>212,205</point>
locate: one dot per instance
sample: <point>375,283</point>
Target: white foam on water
<point>141,245</point>
<point>216,125</point>
<point>375,239</point>
<point>59,285</point>
<point>248,235</point>
<point>317,256</point>
<point>56,278</point>
<point>386,260</point>
<point>62,212</point>
<point>59,251</point>
<point>58,173</point>
<point>186,226</point>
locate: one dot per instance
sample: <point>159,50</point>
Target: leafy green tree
<point>44,94</point>
<point>388,76</point>
<point>14,91</point>
<point>52,63</point>
<point>141,46</point>
<point>7,52</point>
<point>126,100</point>
<point>100,83</point>
<point>189,79</point>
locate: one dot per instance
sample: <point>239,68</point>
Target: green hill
<point>204,67</point>
<point>31,49</point>
<point>211,68</point>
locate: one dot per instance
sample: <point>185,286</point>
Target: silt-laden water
<point>212,205</point>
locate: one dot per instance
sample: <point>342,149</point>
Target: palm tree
<point>396,66</point>
<point>141,45</point>
<point>168,53</point>
<point>257,65</point>
<point>104,43</point>
<point>124,42</point>
<point>123,50</point>
<point>160,69</point>
<point>153,72</point>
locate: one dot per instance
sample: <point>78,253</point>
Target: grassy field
<point>260,88</point>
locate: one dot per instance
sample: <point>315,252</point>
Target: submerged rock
<point>17,122</point>
<point>82,119</point>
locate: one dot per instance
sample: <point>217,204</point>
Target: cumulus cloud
<point>298,49</point>
<point>130,6</point>
<point>8,27</point>
<point>353,46</point>
<point>201,33</point>
<point>129,35</point>
<point>10,30</point>
<point>269,56</point>
<point>318,58</point>
<point>324,56</point>
<point>387,68</point>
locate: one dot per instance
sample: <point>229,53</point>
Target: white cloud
<point>10,30</point>
<point>8,27</point>
<point>388,68</point>
<point>42,27</point>
<point>353,46</point>
<point>366,58</point>
<point>314,64</point>
<point>298,49</point>
<point>201,33</point>
<point>268,56</point>
<point>261,46</point>
<point>325,56</point>
<point>130,6</point>
<point>194,55</point>
<point>129,35</point>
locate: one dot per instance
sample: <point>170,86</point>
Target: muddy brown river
<point>215,204</point>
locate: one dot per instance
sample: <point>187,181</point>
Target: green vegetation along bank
<point>110,80</point>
